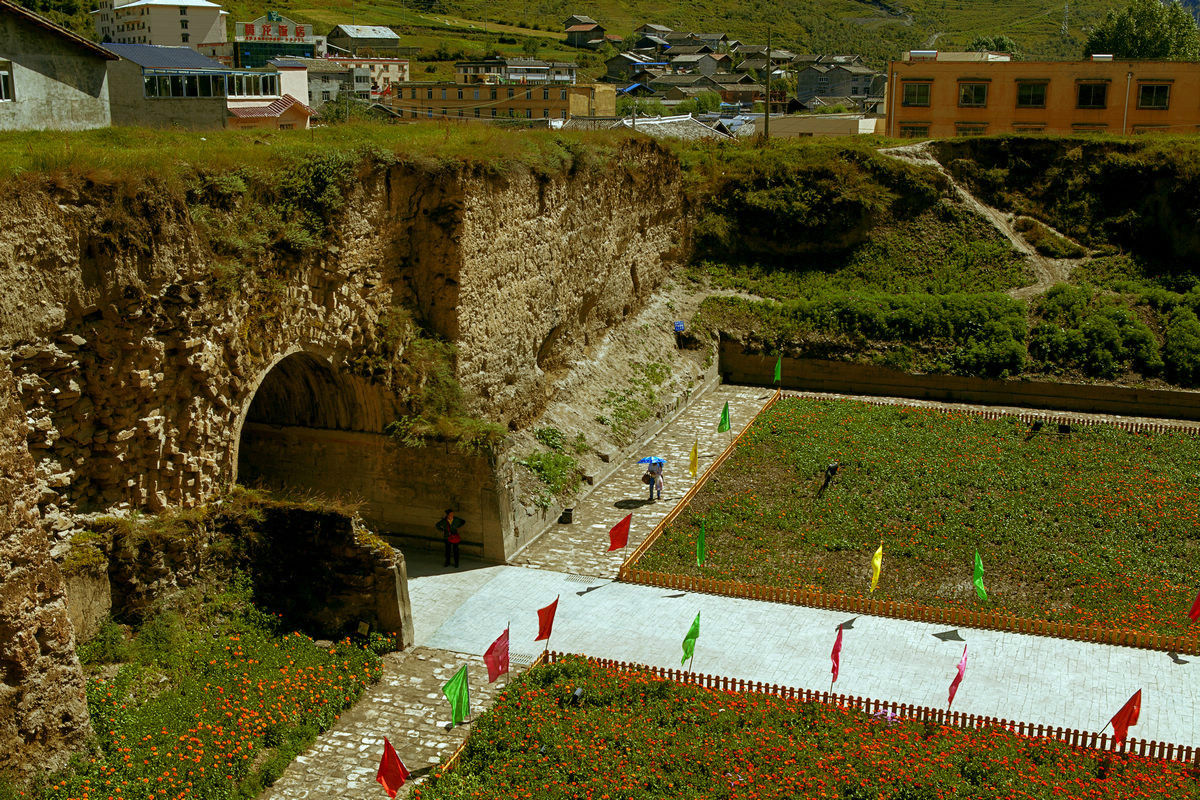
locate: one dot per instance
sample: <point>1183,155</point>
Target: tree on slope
<point>996,44</point>
<point>1147,29</point>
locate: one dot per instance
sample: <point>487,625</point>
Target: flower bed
<point>637,736</point>
<point>1097,528</point>
<point>215,707</point>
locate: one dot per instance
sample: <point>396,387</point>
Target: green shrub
<point>108,646</point>
<point>558,471</point>
<point>1046,241</point>
<point>550,437</point>
<point>1182,348</point>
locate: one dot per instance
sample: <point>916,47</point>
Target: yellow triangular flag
<point>694,461</point>
<point>876,566</point>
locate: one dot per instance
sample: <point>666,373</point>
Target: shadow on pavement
<point>424,563</point>
<point>631,504</point>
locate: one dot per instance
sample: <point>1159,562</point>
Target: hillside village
<point>277,73</point>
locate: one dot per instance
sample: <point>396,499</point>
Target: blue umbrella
<point>653,460</point>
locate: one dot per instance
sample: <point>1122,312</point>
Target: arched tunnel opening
<point>311,428</point>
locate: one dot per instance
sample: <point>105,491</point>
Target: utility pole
<point>770,69</point>
<point>1066,15</point>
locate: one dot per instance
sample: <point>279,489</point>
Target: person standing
<point>449,526</point>
<point>656,478</point>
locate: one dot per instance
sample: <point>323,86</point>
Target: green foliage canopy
<point>1147,29</point>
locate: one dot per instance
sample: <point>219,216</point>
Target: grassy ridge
<point>1095,529</point>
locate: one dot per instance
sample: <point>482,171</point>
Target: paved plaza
<point>458,613</point>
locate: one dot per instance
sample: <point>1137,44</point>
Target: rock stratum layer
<point>129,357</point>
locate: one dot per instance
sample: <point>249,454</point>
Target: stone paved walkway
<point>406,706</point>
<point>581,547</point>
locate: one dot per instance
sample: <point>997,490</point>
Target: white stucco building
<point>179,22</point>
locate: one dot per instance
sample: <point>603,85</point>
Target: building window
<point>1154,95</point>
<point>429,113</point>
<point>1028,127</point>
<point>562,94</point>
<point>1088,127</point>
<point>185,38</point>
<point>916,94</point>
<point>545,113</point>
<point>510,93</point>
<point>529,113</point>
<point>6,82</point>
<point>493,112</point>
<point>493,94</point>
<point>183,24</point>
<point>460,112</point>
<point>1031,95</point>
<point>325,96</point>
<point>477,113</point>
<point>183,11</point>
<point>1151,129</point>
<point>562,114</point>
<point>1092,95</point>
<point>475,92</point>
<point>443,94</point>
<point>545,94</point>
<point>460,97</point>
<point>972,95</point>
<point>429,94</point>
<point>970,128</point>
<point>914,131</point>
<point>286,126</point>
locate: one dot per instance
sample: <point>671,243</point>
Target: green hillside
<point>878,29</point>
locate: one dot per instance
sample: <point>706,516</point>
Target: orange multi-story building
<point>933,94</point>
<point>484,101</point>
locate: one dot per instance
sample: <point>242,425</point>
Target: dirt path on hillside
<point>1047,271</point>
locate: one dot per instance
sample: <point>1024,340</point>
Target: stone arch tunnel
<point>308,426</point>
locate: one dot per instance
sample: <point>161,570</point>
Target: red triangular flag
<point>618,537</point>
<point>837,654</point>
<point>962,670</point>
<point>392,774</point>
<point>1126,718</point>
<point>496,657</point>
<point>1194,614</point>
<point>546,620</point>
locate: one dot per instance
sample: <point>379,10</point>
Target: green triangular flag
<point>979,590</point>
<point>457,693</point>
<point>779,369</point>
<point>724,426</point>
<point>689,641</point>
<point>701,549</point>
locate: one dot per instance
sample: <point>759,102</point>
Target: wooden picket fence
<point>1028,417</point>
<point>898,609</point>
<point>1081,740</point>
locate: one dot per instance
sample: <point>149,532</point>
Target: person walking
<point>449,526</point>
<point>655,469</point>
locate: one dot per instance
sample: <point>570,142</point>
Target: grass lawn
<point>207,700</point>
<point>1099,528</point>
<point>635,736</point>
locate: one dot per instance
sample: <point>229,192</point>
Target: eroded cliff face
<point>131,357</point>
<point>43,711</point>
<point>548,266</point>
